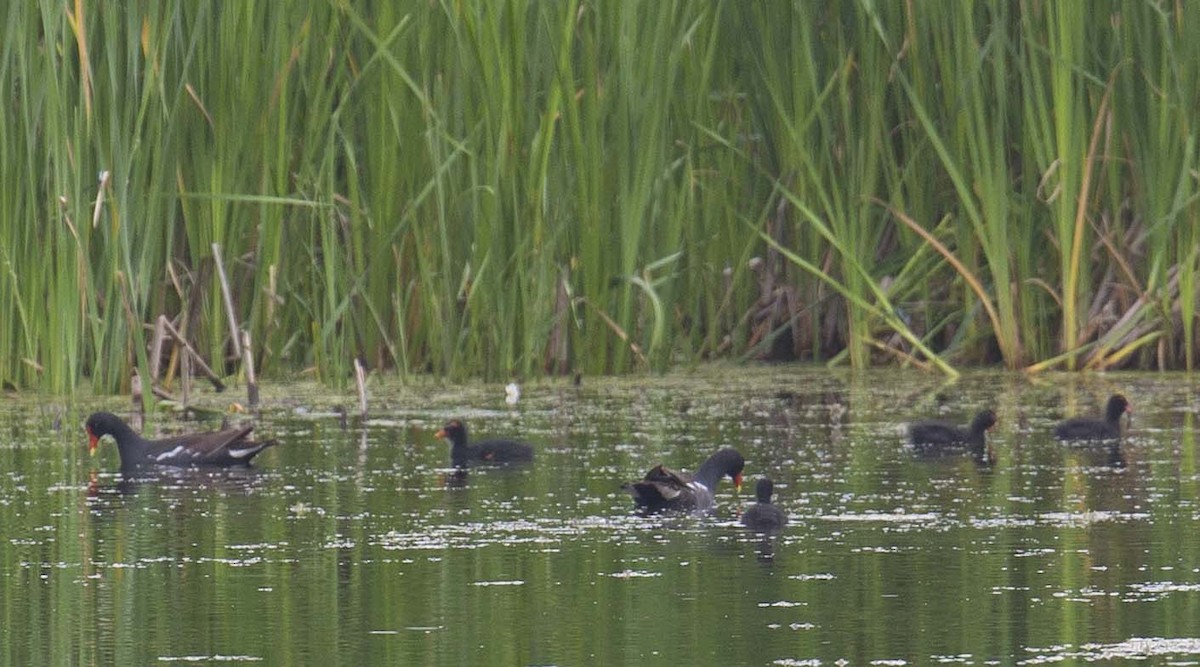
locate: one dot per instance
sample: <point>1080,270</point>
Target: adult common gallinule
<point>1090,428</point>
<point>763,516</point>
<point>935,436</point>
<point>486,451</point>
<point>665,489</point>
<point>216,448</point>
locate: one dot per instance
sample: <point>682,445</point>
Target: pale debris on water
<point>1134,648</point>
<point>631,574</point>
<point>209,658</point>
<point>1081,519</point>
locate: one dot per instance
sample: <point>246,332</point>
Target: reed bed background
<point>496,189</point>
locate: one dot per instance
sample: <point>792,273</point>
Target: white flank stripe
<point>170,454</point>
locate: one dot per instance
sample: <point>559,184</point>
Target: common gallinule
<point>665,489</point>
<point>935,436</point>
<point>215,448</point>
<point>1090,428</point>
<point>486,451</point>
<point>763,516</point>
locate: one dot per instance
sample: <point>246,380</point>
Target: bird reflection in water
<point>455,479</point>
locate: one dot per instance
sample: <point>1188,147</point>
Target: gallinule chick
<point>935,436</point>
<point>1090,428</point>
<point>763,516</point>
<point>215,448</point>
<point>665,489</point>
<point>486,451</point>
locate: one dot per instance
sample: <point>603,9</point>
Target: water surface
<point>352,543</point>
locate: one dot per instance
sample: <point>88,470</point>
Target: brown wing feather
<point>211,447</point>
<point>663,488</point>
<point>665,475</point>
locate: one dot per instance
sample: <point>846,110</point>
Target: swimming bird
<point>215,448</point>
<point>485,451</point>
<point>1091,428</point>
<point>665,489</point>
<point>763,516</point>
<point>935,436</point>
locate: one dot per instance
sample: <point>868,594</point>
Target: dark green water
<point>347,546</point>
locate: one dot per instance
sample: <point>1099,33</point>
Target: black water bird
<point>227,447</point>
<point>936,437</point>
<point>463,453</point>
<point>663,489</point>
<point>763,515</point>
<point>1091,428</point>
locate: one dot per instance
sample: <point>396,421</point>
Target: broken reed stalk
<point>185,378</point>
<point>190,353</point>
<point>360,379</point>
<point>225,294</point>
<point>135,391</point>
<point>105,177</point>
<point>138,413</point>
<point>248,367</point>
<point>156,343</point>
<point>557,361</point>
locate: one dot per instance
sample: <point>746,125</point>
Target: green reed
<point>518,188</point>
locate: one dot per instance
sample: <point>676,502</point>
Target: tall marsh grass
<point>515,188</point>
